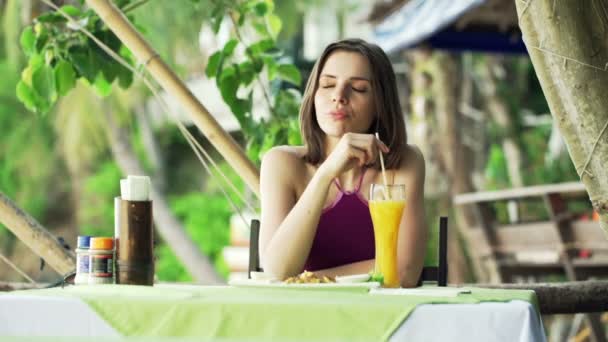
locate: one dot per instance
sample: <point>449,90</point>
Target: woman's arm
<point>359,267</point>
<point>413,231</point>
<point>288,226</point>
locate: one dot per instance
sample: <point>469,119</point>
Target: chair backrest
<point>254,248</point>
<point>437,273</point>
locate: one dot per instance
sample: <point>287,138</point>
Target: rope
<point>191,140</point>
<point>14,267</point>
<point>582,173</point>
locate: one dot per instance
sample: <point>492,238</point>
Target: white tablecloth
<point>515,321</point>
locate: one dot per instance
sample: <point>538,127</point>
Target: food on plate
<point>307,277</point>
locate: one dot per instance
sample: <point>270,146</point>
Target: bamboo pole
<point>36,237</point>
<point>220,139</point>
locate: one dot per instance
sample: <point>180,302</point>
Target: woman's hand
<point>352,150</point>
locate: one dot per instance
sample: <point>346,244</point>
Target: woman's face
<point>343,100</point>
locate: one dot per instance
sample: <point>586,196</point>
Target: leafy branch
<point>235,74</point>
<point>59,55</point>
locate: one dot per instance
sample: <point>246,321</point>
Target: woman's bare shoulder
<point>285,158</point>
<point>286,155</point>
<point>285,165</point>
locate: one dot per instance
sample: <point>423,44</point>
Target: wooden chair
<point>437,273</point>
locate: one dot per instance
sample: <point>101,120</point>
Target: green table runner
<point>259,313</point>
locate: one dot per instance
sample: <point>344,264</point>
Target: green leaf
<point>28,41</point>
<point>51,18</point>
<point>261,28</point>
<point>260,9</point>
<point>42,37</point>
<point>290,73</point>
<point>43,83</point>
<point>246,72</point>
<point>102,86</point>
<point>230,71</point>
<point>84,62</point>
<point>275,24</point>
<point>65,77</point>
<point>261,46</point>
<point>213,64</point>
<point>26,95</point>
<point>125,78</point>
<point>272,67</point>
<point>32,101</point>
<point>217,16</point>
<point>241,20</point>
<point>71,10</point>
<point>377,277</point>
<point>229,47</point>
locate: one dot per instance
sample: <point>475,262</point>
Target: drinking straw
<point>386,192</point>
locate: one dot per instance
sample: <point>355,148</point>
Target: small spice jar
<point>101,269</point>
<point>82,260</point>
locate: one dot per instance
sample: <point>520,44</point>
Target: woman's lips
<point>338,115</point>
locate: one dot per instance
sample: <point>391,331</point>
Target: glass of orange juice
<point>386,205</point>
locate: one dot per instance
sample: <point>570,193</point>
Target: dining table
<point>260,312</point>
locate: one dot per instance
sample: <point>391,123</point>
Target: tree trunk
<point>172,231</point>
<point>36,237</point>
<point>445,76</point>
<point>220,139</point>
<point>568,47</point>
<point>499,112</point>
<point>421,120</point>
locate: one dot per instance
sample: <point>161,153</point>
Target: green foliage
<point>168,267</point>
<point>96,215</point>
<point>235,74</point>
<point>59,55</point>
<point>206,218</point>
<point>497,175</point>
<point>540,170</point>
<point>27,162</point>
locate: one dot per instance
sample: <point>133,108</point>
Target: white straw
<point>386,192</point>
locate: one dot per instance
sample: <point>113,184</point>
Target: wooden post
<point>220,139</point>
<point>36,237</point>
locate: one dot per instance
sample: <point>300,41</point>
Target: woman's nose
<point>339,95</point>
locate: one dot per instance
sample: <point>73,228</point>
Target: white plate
<point>262,276</point>
<point>355,278</point>
<point>423,291</point>
<point>283,285</point>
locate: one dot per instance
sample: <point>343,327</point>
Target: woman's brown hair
<point>389,121</point>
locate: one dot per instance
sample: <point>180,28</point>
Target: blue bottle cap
<point>84,241</point>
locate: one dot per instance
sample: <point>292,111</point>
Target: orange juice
<point>386,216</point>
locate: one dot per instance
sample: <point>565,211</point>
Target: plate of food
<point>309,280</point>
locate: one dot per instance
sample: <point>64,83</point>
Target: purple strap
<point>337,182</point>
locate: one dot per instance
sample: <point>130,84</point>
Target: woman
<point>315,215</point>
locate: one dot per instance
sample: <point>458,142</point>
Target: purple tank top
<point>345,233</point>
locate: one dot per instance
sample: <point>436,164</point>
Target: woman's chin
<point>337,130</point>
